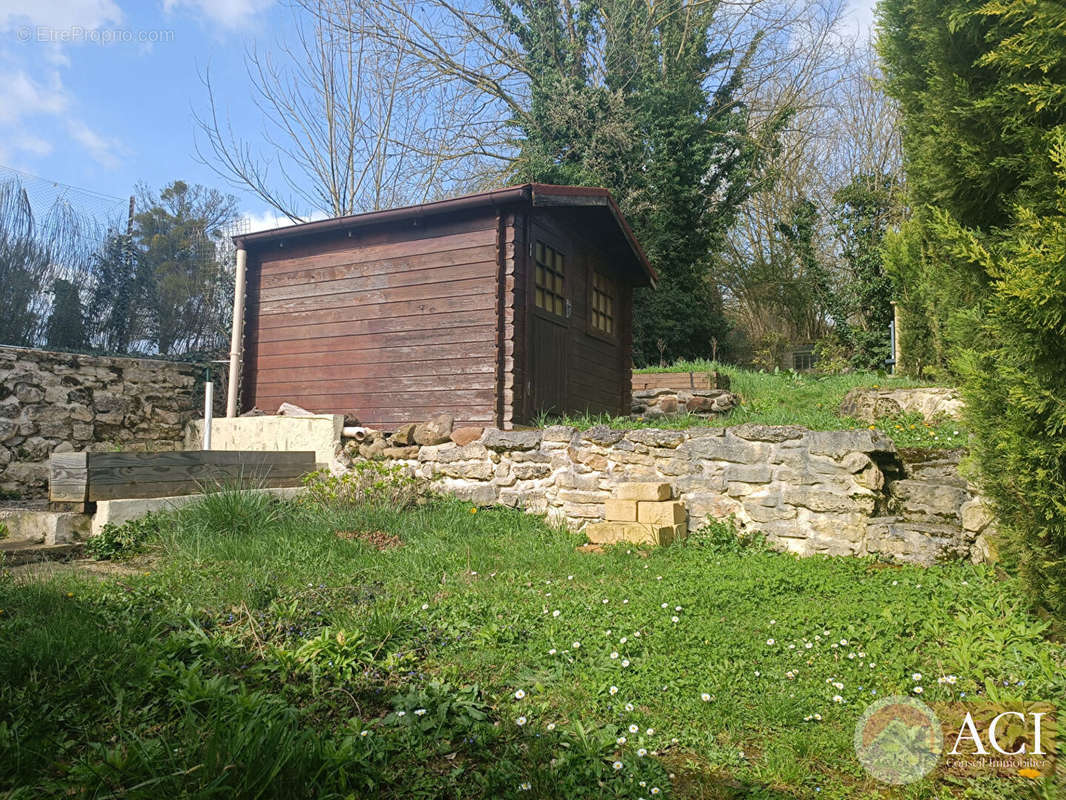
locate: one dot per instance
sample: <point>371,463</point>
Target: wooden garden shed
<point>493,307</point>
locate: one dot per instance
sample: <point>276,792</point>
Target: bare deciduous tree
<point>843,127</point>
<point>346,126</point>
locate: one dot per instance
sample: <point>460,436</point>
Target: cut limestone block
<point>633,532</point>
<point>667,513</point>
<point>621,510</point>
<point>643,491</point>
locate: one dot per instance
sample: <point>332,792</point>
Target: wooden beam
<point>89,477</point>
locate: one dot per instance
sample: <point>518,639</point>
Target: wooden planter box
<point>88,477</point>
<point>643,381</point>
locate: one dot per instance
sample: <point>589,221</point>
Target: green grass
<point>250,663</point>
<point>791,398</point>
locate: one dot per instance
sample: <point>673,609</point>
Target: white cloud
<point>103,150</point>
<point>268,220</point>
<point>228,13</point>
<point>59,13</point>
<point>22,96</point>
<point>265,221</point>
<point>33,145</point>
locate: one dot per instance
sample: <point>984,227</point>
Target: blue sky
<point>100,94</point>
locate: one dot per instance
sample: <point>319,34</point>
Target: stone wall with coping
<point>63,402</point>
<point>809,492</point>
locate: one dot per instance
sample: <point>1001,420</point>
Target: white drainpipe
<point>236,345</point>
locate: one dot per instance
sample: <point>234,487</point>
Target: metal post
<point>236,346</point>
<point>209,407</point>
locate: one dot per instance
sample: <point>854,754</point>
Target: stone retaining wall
<point>62,402</point>
<point>833,492</point>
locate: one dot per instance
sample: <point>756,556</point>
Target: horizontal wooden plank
<point>439,325</point>
<point>375,341</point>
<point>480,298</point>
<point>480,347</point>
<point>206,481</point>
<point>441,399</point>
<point>282,264</point>
<point>382,233</point>
<point>387,373</point>
<point>183,458</point>
<point>471,278</point>
<point>396,388</point>
<point>406,271</point>
<point>389,419</point>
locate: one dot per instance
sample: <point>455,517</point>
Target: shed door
<point>552,274</point>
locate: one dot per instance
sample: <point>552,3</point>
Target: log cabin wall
<point>391,323</point>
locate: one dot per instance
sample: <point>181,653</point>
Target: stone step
<point>14,552</point>
<point>44,527</point>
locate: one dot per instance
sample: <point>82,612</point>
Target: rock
<point>869,404</point>
<point>402,453</point>
<point>254,412</point>
<point>653,437</point>
<point>473,470</point>
<point>482,494</point>
<point>437,430</point>
<point>374,449</point>
<point>753,432</point>
<point>291,410</point>
<point>8,430</point>
<point>530,470</point>
<point>28,394</point>
<point>669,404</point>
<point>838,444</point>
<point>696,404</point>
<point>467,434</point>
<point>495,439</point>
<point>602,435</point>
<point>646,491</point>
<point>559,433</point>
<point>928,500</point>
<point>975,516</point>
<point>404,436</point>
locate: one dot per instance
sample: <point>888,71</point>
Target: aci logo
<point>898,739</point>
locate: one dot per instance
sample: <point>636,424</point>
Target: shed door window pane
<point>551,279</point>
<point>602,304</point>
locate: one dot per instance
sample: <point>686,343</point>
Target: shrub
<point>1014,385</point>
<point>832,356</point>
<point>116,542</point>
<point>367,483</point>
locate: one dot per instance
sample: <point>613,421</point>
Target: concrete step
<point>44,527</point>
<point>14,552</point>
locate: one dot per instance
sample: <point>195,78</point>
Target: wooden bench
<point>81,478</point>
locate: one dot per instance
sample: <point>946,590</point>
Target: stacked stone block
<point>640,513</point>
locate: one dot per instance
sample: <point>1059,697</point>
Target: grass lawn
<point>793,398</point>
<point>275,651</point>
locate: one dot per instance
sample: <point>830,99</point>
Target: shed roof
<point>538,194</point>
